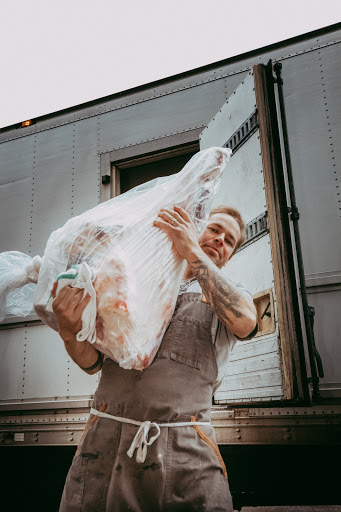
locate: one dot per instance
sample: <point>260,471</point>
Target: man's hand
<point>178,225</point>
<point>233,306</point>
<point>68,307</point>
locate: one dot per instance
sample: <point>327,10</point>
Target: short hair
<point>233,212</point>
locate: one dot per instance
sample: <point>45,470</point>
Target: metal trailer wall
<point>52,170</point>
<point>312,88</point>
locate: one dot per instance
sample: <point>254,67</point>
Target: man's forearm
<point>85,355</point>
<point>234,307</point>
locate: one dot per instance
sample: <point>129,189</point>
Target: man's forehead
<point>225,222</point>
<point>223,219</point>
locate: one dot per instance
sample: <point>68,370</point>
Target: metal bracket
<point>106,179</point>
<point>277,68</point>
<point>256,228</point>
<point>243,133</point>
<point>294,213</point>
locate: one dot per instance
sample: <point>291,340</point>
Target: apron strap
<point>141,441</point>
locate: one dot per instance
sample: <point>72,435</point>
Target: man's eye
<point>214,230</point>
<point>228,241</point>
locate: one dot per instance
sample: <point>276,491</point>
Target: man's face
<point>220,238</point>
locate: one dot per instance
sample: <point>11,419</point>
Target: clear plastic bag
<point>137,274</point>
<point>18,273</point>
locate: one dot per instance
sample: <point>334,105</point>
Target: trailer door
<point>270,366</point>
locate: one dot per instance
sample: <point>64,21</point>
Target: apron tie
<point>140,441</point>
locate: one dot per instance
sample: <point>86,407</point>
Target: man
<point>180,466</point>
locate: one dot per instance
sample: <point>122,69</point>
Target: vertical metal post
<point>294,215</point>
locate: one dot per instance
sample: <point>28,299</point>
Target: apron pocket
<point>212,445</point>
<point>190,341</point>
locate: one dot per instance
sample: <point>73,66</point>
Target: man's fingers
<point>54,289</point>
<point>169,217</point>
<point>177,213</point>
<point>167,228</point>
<point>182,213</point>
<point>68,296</point>
<point>82,305</point>
<point>164,226</point>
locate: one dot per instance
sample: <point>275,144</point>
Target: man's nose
<point>219,239</point>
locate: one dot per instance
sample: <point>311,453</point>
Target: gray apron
<point>183,470</point>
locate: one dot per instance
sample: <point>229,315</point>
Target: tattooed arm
<point>234,307</point>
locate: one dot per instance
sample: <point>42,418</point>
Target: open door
<point>271,366</point>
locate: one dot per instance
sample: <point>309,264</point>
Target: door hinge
<point>294,213</point>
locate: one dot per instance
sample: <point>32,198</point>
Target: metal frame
<point>314,358</point>
<point>113,161</point>
<point>294,370</point>
<point>235,426</point>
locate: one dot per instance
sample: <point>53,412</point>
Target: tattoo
<point>224,297</point>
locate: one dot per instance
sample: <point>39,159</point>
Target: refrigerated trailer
<point>279,110</point>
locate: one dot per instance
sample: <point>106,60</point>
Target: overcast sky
<point>56,54</point>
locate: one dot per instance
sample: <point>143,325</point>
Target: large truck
<point>277,413</point>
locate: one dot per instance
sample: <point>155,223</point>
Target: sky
<point>56,54</point>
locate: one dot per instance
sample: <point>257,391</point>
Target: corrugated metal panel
<point>80,383</point>
<point>252,266</point>
<point>54,180</point>
<point>311,86</point>
<point>262,364</point>
<point>161,117</point>
<point>16,160</point>
<point>12,363</point>
<point>46,371</point>
<point>312,154</point>
<point>15,214</point>
<point>330,70</point>
<point>266,385</point>
<point>250,349</point>
<point>49,370</point>
<point>86,164</point>
<point>231,115</point>
<point>254,371</point>
<point>327,330</point>
<point>251,199</point>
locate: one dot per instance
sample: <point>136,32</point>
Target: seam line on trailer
<point>331,144</point>
<point>151,139</point>
<point>308,50</point>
